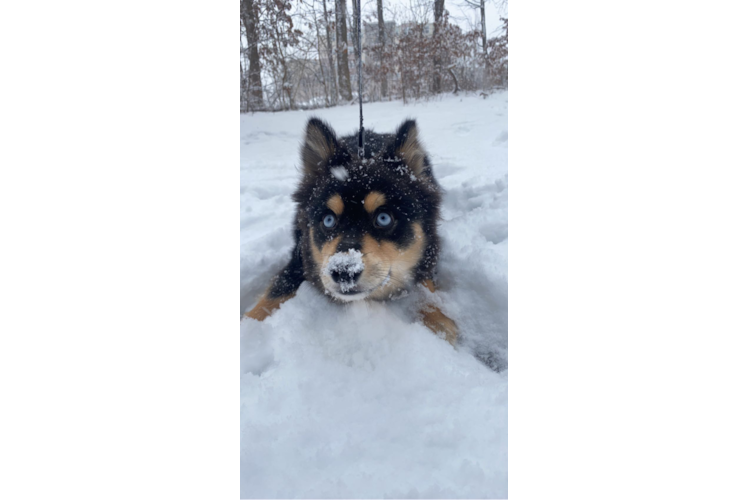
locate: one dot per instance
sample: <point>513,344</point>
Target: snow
<point>340,173</point>
<point>362,400</point>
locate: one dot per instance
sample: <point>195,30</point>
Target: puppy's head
<point>367,225</point>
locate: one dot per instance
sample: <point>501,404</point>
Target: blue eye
<point>329,221</point>
<point>384,219</point>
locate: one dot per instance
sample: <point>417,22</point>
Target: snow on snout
<point>350,263</point>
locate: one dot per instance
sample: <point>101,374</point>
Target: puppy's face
<point>364,244</point>
<point>365,218</point>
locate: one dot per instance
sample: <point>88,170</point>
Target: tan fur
<point>380,259</point>
<point>374,200</point>
<point>335,203</point>
<point>436,321</point>
<point>266,306</point>
<point>412,152</point>
<point>430,285</point>
<point>320,256</point>
<point>315,139</point>
<point>381,256</point>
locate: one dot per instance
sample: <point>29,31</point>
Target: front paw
<point>265,307</point>
<point>259,312</point>
<point>438,323</point>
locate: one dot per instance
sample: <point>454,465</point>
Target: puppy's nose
<point>345,267</point>
<point>346,276</point>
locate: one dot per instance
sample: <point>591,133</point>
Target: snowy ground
<point>362,401</point>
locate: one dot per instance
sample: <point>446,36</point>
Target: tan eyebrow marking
<point>374,200</point>
<point>335,203</point>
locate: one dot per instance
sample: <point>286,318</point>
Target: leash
<point>360,93</point>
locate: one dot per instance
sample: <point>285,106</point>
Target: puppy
<point>365,228</point>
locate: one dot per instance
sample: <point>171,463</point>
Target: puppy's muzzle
<point>347,275</point>
<point>345,268</point>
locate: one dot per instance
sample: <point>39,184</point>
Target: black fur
<point>412,193</point>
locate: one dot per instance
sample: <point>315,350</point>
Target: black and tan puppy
<point>364,228</point>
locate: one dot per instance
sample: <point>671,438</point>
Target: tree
<point>344,75</point>
<point>243,105</point>
<point>481,4</point>
<point>486,44</point>
<point>380,26</point>
<point>330,52</point>
<point>436,84</point>
<point>355,23</point>
<point>278,40</point>
<point>249,16</point>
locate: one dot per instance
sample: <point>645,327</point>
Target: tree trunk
<point>382,70</point>
<point>329,54</point>
<point>483,37</point>
<point>285,81</point>
<point>436,84</point>
<point>344,75</point>
<point>249,18</point>
<point>242,90</point>
<point>242,83</point>
<point>454,78</point>
<point>319,56</point>
<point>356,35</point>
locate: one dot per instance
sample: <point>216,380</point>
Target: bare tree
<point>481,4</point>
<point>243,76</point>
<point>486,44</point>
<point>356,35</point>
<point>436,84</point>
<point>249,16</point>
<point>330,52</point>
<point>380,26</point>
<point>344,75</point>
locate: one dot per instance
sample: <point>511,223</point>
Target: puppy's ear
<point>406,146</point>
<point>320,144</point>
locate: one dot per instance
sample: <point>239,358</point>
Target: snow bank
<point>362,400</point>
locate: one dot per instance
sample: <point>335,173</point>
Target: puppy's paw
<point>259,313</point>
<point>437,322</point>
<point>265,307</point>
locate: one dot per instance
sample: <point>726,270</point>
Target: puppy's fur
<point>364,228</point>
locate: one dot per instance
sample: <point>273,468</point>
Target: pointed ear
<point>320,144</point>
<point>407,147</point>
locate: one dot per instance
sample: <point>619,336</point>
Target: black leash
<point>360,93</point>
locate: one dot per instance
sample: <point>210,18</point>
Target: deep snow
<point>362,400</point>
